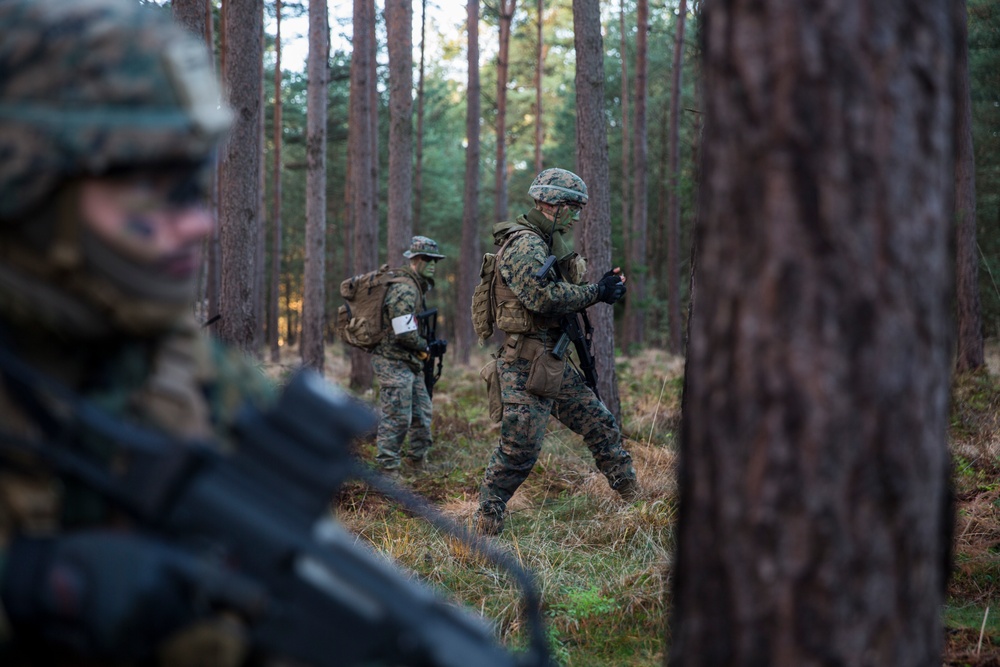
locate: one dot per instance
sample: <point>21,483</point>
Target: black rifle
<point>436,347</point>
<point>581,337</point>
<point>311,592</point>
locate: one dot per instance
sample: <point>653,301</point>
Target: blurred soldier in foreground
<point>159,504</point>
<point>400,358</point>
<point>535,301</point>
<point>109,119</point>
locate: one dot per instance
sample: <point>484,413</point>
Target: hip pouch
<point>491,376</point>
<point>546,375</point>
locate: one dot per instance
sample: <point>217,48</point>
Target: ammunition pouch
<point>491,376</point>
<point>545,375</point>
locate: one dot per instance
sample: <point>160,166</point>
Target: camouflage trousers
<point>522,429</point>
<point>405,407</point>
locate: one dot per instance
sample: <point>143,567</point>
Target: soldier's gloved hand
<point>438,347</point>
<point>610,288</point>
<point>423,355</point>
<point>116,597</point>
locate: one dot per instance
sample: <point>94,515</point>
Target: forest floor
<point>603,565</point>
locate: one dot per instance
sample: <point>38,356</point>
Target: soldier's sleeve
<point>401,316</point>
<point>519,263</point>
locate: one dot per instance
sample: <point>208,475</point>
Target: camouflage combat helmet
<point>424,247</point>
<point>558,186</point>
<point>93,85</point>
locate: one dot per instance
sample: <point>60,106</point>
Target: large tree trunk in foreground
<point>813,520</point>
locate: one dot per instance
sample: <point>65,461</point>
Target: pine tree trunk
<point>239,174</point>
<point>592,164</point>
<point>469,262</point>
<point>635,301</point>
<point>191,14</point>
<point>418,179</point>
<point>399,26</point>
<point>626,140</point>
<point>364,171</point>
<point>274,335</point>
<point>969,312</point>
<point>673,193</point>
<point>314,279</point>
<point>506,9</point>
<point>814,456</point>
<point>539,75</point>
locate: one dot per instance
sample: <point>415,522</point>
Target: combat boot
<point>487,524</point>
<point>628,489</point>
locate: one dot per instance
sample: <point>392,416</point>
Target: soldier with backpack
<point>530,378</point>
<point>398,360</point>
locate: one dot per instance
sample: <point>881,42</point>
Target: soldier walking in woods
<point>109,119</point>
<point>398,361</point>
<point>533,382</point>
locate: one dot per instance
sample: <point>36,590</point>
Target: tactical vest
<point>509,314</point>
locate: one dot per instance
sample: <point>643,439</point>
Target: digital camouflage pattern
<point>405,407</point>
<point>119,85</point>
<point>403,400</point>
<point>522,429</point>
<point>421,245</point>
<point>558,186</point>
<point>403,298</point>
<point>522,259</point>
<point>525,415</point>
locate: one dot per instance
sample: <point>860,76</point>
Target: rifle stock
<point>428,329</point>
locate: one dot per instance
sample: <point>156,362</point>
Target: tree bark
<point>635,301</point>
<point>673,193</point>
<point>626,138</point>
<point>813,520</point>
<point>969,312</point>
<point>314,278</point>
<point>239,174</point>
<point>192,14</point>
<point>469,262</point>
<point>364,171</point>
<point>399,26</point>
<point>274,335</point>
<point>418,179</point>
<point>592,160</point>
<point>505,9</point>
<point>539,75</point>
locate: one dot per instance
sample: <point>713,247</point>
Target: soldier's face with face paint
<point>157,219</point>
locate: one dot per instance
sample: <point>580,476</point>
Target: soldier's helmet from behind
<point>423,246</point>
<point>90,86</point>
<point>558,186</point>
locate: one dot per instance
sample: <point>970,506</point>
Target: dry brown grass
<point>603,565</point>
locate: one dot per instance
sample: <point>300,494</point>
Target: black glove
<point>438,347</point>
<point>112,596</point>
<point>610,288</point>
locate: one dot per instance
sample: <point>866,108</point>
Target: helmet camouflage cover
<point>90,85</point>
<point>558,186</point>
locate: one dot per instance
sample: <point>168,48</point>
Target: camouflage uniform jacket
<point>402,299</point>
<point>521,260</point>
<point>183,384</point>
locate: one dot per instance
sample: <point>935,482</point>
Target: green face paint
<point>427,267</point>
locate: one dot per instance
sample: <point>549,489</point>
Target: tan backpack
<point>359,320</point>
